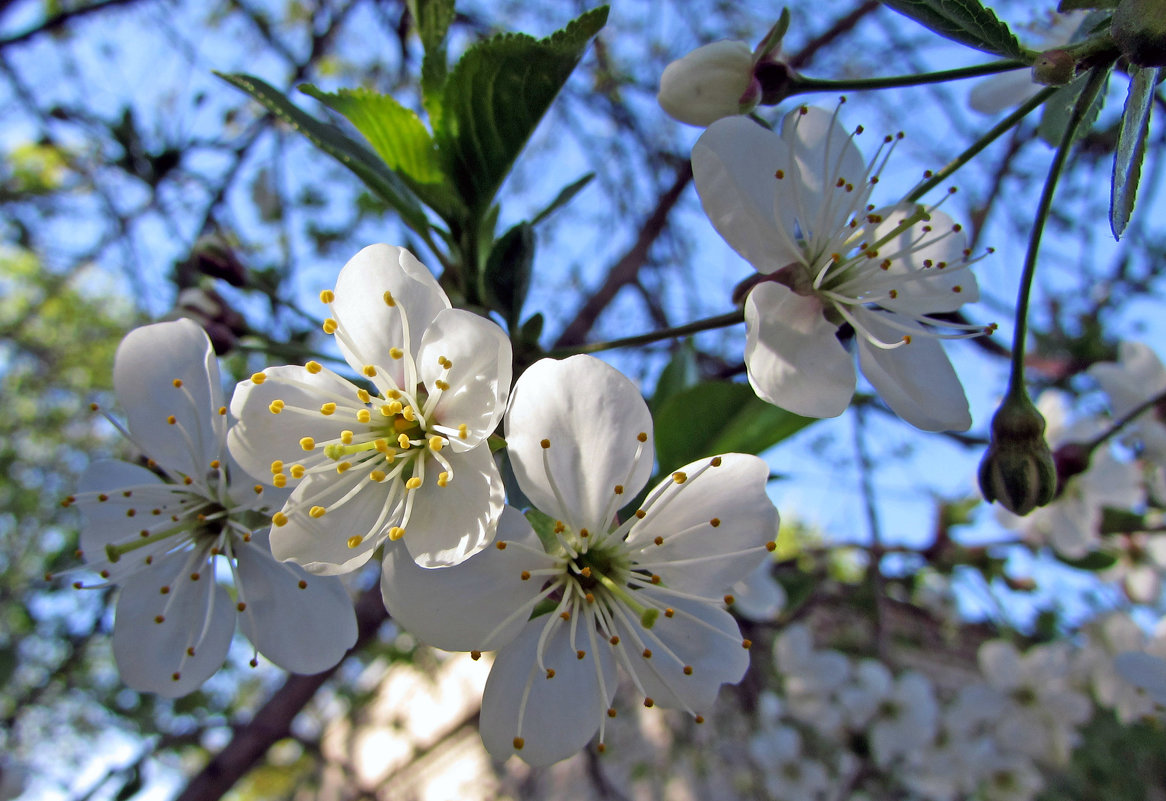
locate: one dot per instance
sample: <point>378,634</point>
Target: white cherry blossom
<point>158,530</point>
<point>645,593</point>
<point>1136,377</point>
<point>406,459</point>
<point>713,81</point>
<point>795,206</point>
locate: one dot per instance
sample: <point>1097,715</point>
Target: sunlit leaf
<point>963,21</point>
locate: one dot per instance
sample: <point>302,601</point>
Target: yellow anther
<point>258,378</point>
<point>393,394</point>
<point>222,411</point>
<point>346,437</point>
<point>279,519</point>
<point>314,367</point>
<point>394,407</point>
<point>649,703</point>
<point>330,326</point>
<point>518,742</point>
<point>906,339</point>
<point>698,719</point>
<point>679,477</point>
<point>444,362</point>
<point>442,385</point>
<point>317,512</point>
<point>327,296</point>
<point>413,483</point>
<point>381,445</point>
<point>403,441</point>
<point>396,353</point>
<point>297,471</point>
<point>642,436</point>
<point>619,489</point>
<point>307,443</point>
<point>580,654</point>
<point>500,545</point>
<point>93,407</point>
<point>177,383</point>
<point>436,443</point>
<point>409,414</point>
<point>729,600</point>
<point>171,419</point>
<point>746,644</point>
<point>550,673</point>
<point>216,464</point>
<point>363,395</point>
<point>716,462</point>
<point>688,670</point>
<point>276,406</point>
<point>355,541</point>
<point>370,370</point>
<point>239,606</point>
<point>303,585</point>
<point>279,480</point>
<point>389,300</point>
<point>442,478</point>
<point>546,443</point>
<point>363,416</point>
<point>377,475</point>
<point>328,408</point>
<point>669,612</point>
<point>340,468</point>
<point>462,431</point>
<point>396,532</point>
<point>524,575</point>
<point>771,546</point>
<point>475,655</point>
<point>659,540</point>
<point>716,521</point>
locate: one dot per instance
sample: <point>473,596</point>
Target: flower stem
<point>1084,101</point>
<point>1125,420</point>
<point>804,84</point>
<point>707,324</point>
<point>991,136</point>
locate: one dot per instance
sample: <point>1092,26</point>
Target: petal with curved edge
<point>260,436</point>
<point>320,545</point>
<point>993,95</point>
<point>479,378</point>
<point>823,156</point>
<point>195,614</point>
<point>735,164</point>
<point>794,358</point>
<point>303,623</point>
<point>555,717</point>
<point>150,362</point>
<point>759,596</point>
<point>933,276</point>
<point>370,325</point>
<point>592,416</point>
<point>480,604</point>
<point>692,653</point>
<point>449,524</point>
<point>712,529</point>
<point>916,380</point>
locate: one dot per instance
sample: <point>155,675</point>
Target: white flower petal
<point>699,636</point>
<point>823,154</point>
<point>554,717</point>
<point>592,415</point>
<point>464,607</point>
<point>934,278</point>
<point>261,437</point>
<point>708,83</point>
<point>479,379</point>
<point>916,380</point>
<point>303,623</point>
<point>371,325</point>
<point>759,596</point>
<point>148,363</point>
<point>452,523</point>
<point>320,545</point>
<point>195,615</point>
<point>993,95</point>
<point>694,555</point>
<point>734,165</point>
<point>1145,671</point>
<point>795,360</point>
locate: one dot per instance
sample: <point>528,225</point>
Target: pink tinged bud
<point>1018,471</point>
<point>711,82</point>
<point>1054,68</point>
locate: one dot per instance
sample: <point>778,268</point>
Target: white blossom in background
<point>999,92</point>
<point>646,594</point>
<point>759,596</point>
<point>1071,522</point>
<point>713,81</point>
<point>407,459</point>
<point>1045,709</point>
<point>1144,671</point>
<point>790,774</point>
<point>813,680</point>
<point>906,719</point>
<point>795,206</point>
<point>1135,378</point>
<point>1106,638</point>
<point>159,530</point>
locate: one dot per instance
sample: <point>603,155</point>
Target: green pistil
<point>115,552</point>
<point>647,615</point>
<point>336,451</point>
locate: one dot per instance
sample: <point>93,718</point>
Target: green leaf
<point>1121,521</point>
<point>719,417</point>
<point>1059,108</point>
<point>381,180</point>
<point>1095,561</point>
<point>679,374</point>
<point>506,279</point>
<point>494,99</point>
<point>963,21</point>
<point>563,198</point>
<point>1065,6</point>
<point>1131,147</point>
<point>544,526</point>
<point>433,18</point>
<point>395,132</point>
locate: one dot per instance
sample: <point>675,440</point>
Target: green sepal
<point>1094,561</point>
<point>506,278</point>
<point>1059,108</point>
<point>544,526</point>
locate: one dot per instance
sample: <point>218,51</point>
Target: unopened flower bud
<point>711,82</point>
<point>1139,29</point>
<point>211,256</point>
<point>223,324</point>
<point>1018,471</point>
<point>1054,68</point>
